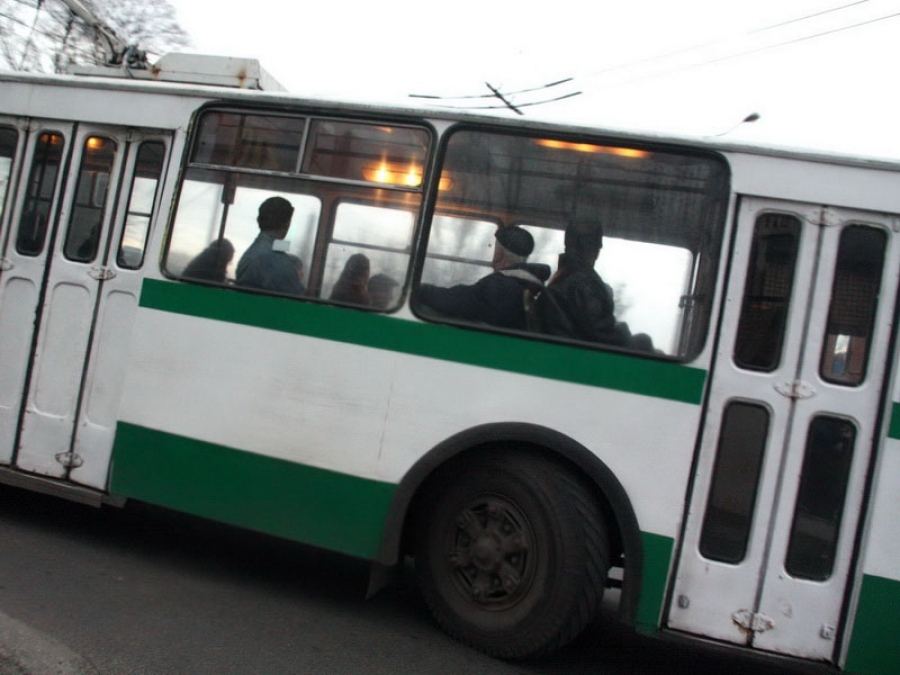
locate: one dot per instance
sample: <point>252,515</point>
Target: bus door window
<point>141,201</point>
<point>735,484</point>
<point>89,202</point>
<point>8,139</point>
<point>767,292</point>
<point>820,498</point>
<point>854,301</point>
<point>41,189</point>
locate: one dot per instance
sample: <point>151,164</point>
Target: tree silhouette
<point>47,36</point>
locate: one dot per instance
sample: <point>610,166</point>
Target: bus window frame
<point>708,260</point>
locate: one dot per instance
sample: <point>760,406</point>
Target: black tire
<point>512,555</point>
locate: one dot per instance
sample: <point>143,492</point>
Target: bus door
<point>87,300</point>
<point>25,257</point>
<point>792,419</point>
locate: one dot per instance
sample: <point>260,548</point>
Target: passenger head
<point>275,216</point>
<point>356,270</point>
<point>514,245</point>
<point>584,241</point>
<point>381,291</point>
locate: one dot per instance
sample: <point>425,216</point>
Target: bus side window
<point>353,188</point>
<point>141,204</point>
<point>658,216</point>
<point>8,140</point>
<point>381,237</point>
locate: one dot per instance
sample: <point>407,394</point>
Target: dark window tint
<point>265,142</point>
<point>767,294</point>
<point>83,236</point>
<point>42,179</point>
<point>141,201</point>
<point>8,138</point>
<point>820,499</point>
<point>854,300</point>
<point>732,498</point>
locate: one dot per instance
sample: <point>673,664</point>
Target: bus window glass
<point>735,483</point>
<point>854,301</point>
<point>206,222</point>
<point>459,251</point>
<point>147,172</point>
<point>820,498</point>
<point>264,142</point>
<point>767,293</point>
<point>42,179</point>
<point>83,235</point>
<point>373,238</point>
<point>646,225</point>
<point>239,210</point>
<point>8,139</point>
<point>388,155</point>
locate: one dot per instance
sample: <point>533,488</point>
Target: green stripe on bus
<point>657,558</point>
<point>319,507</point>
<point>894,430</point>
<point>662,379</point>
<point>874,647</point>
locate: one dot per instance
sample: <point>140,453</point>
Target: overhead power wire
<point>705,45</point>
<point>504,97</point>
<point>741,53</point>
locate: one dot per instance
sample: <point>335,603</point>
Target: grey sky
<point>821,73</point>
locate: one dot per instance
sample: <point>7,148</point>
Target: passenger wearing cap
<point>499,298</point>
<point>577,303</point>
<point>264,267</point>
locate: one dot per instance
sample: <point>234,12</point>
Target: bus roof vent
<point>216,71</point>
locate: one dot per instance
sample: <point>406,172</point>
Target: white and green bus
<point>731,464</point>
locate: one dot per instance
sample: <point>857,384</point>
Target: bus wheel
<point>512,555</point>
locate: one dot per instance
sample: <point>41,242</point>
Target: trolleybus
<point>728,455</point>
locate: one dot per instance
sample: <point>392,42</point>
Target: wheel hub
<point>491,553</point>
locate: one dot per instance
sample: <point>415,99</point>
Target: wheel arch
<point>611,495</point>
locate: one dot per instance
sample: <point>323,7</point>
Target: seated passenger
<point>262,266</point>
<point>577,303</point>
<point>212,262</point>
<point>352,285</point>
<point>499,298</point>
<point>381,291</point>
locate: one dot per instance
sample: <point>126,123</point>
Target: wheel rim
<point>490,551</point>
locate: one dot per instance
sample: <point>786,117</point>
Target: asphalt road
<point>144,591</point>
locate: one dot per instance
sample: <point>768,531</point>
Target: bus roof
<point>244,80</point>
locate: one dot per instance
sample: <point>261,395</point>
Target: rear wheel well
<point>452,467</point>
<point>449,459</point>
